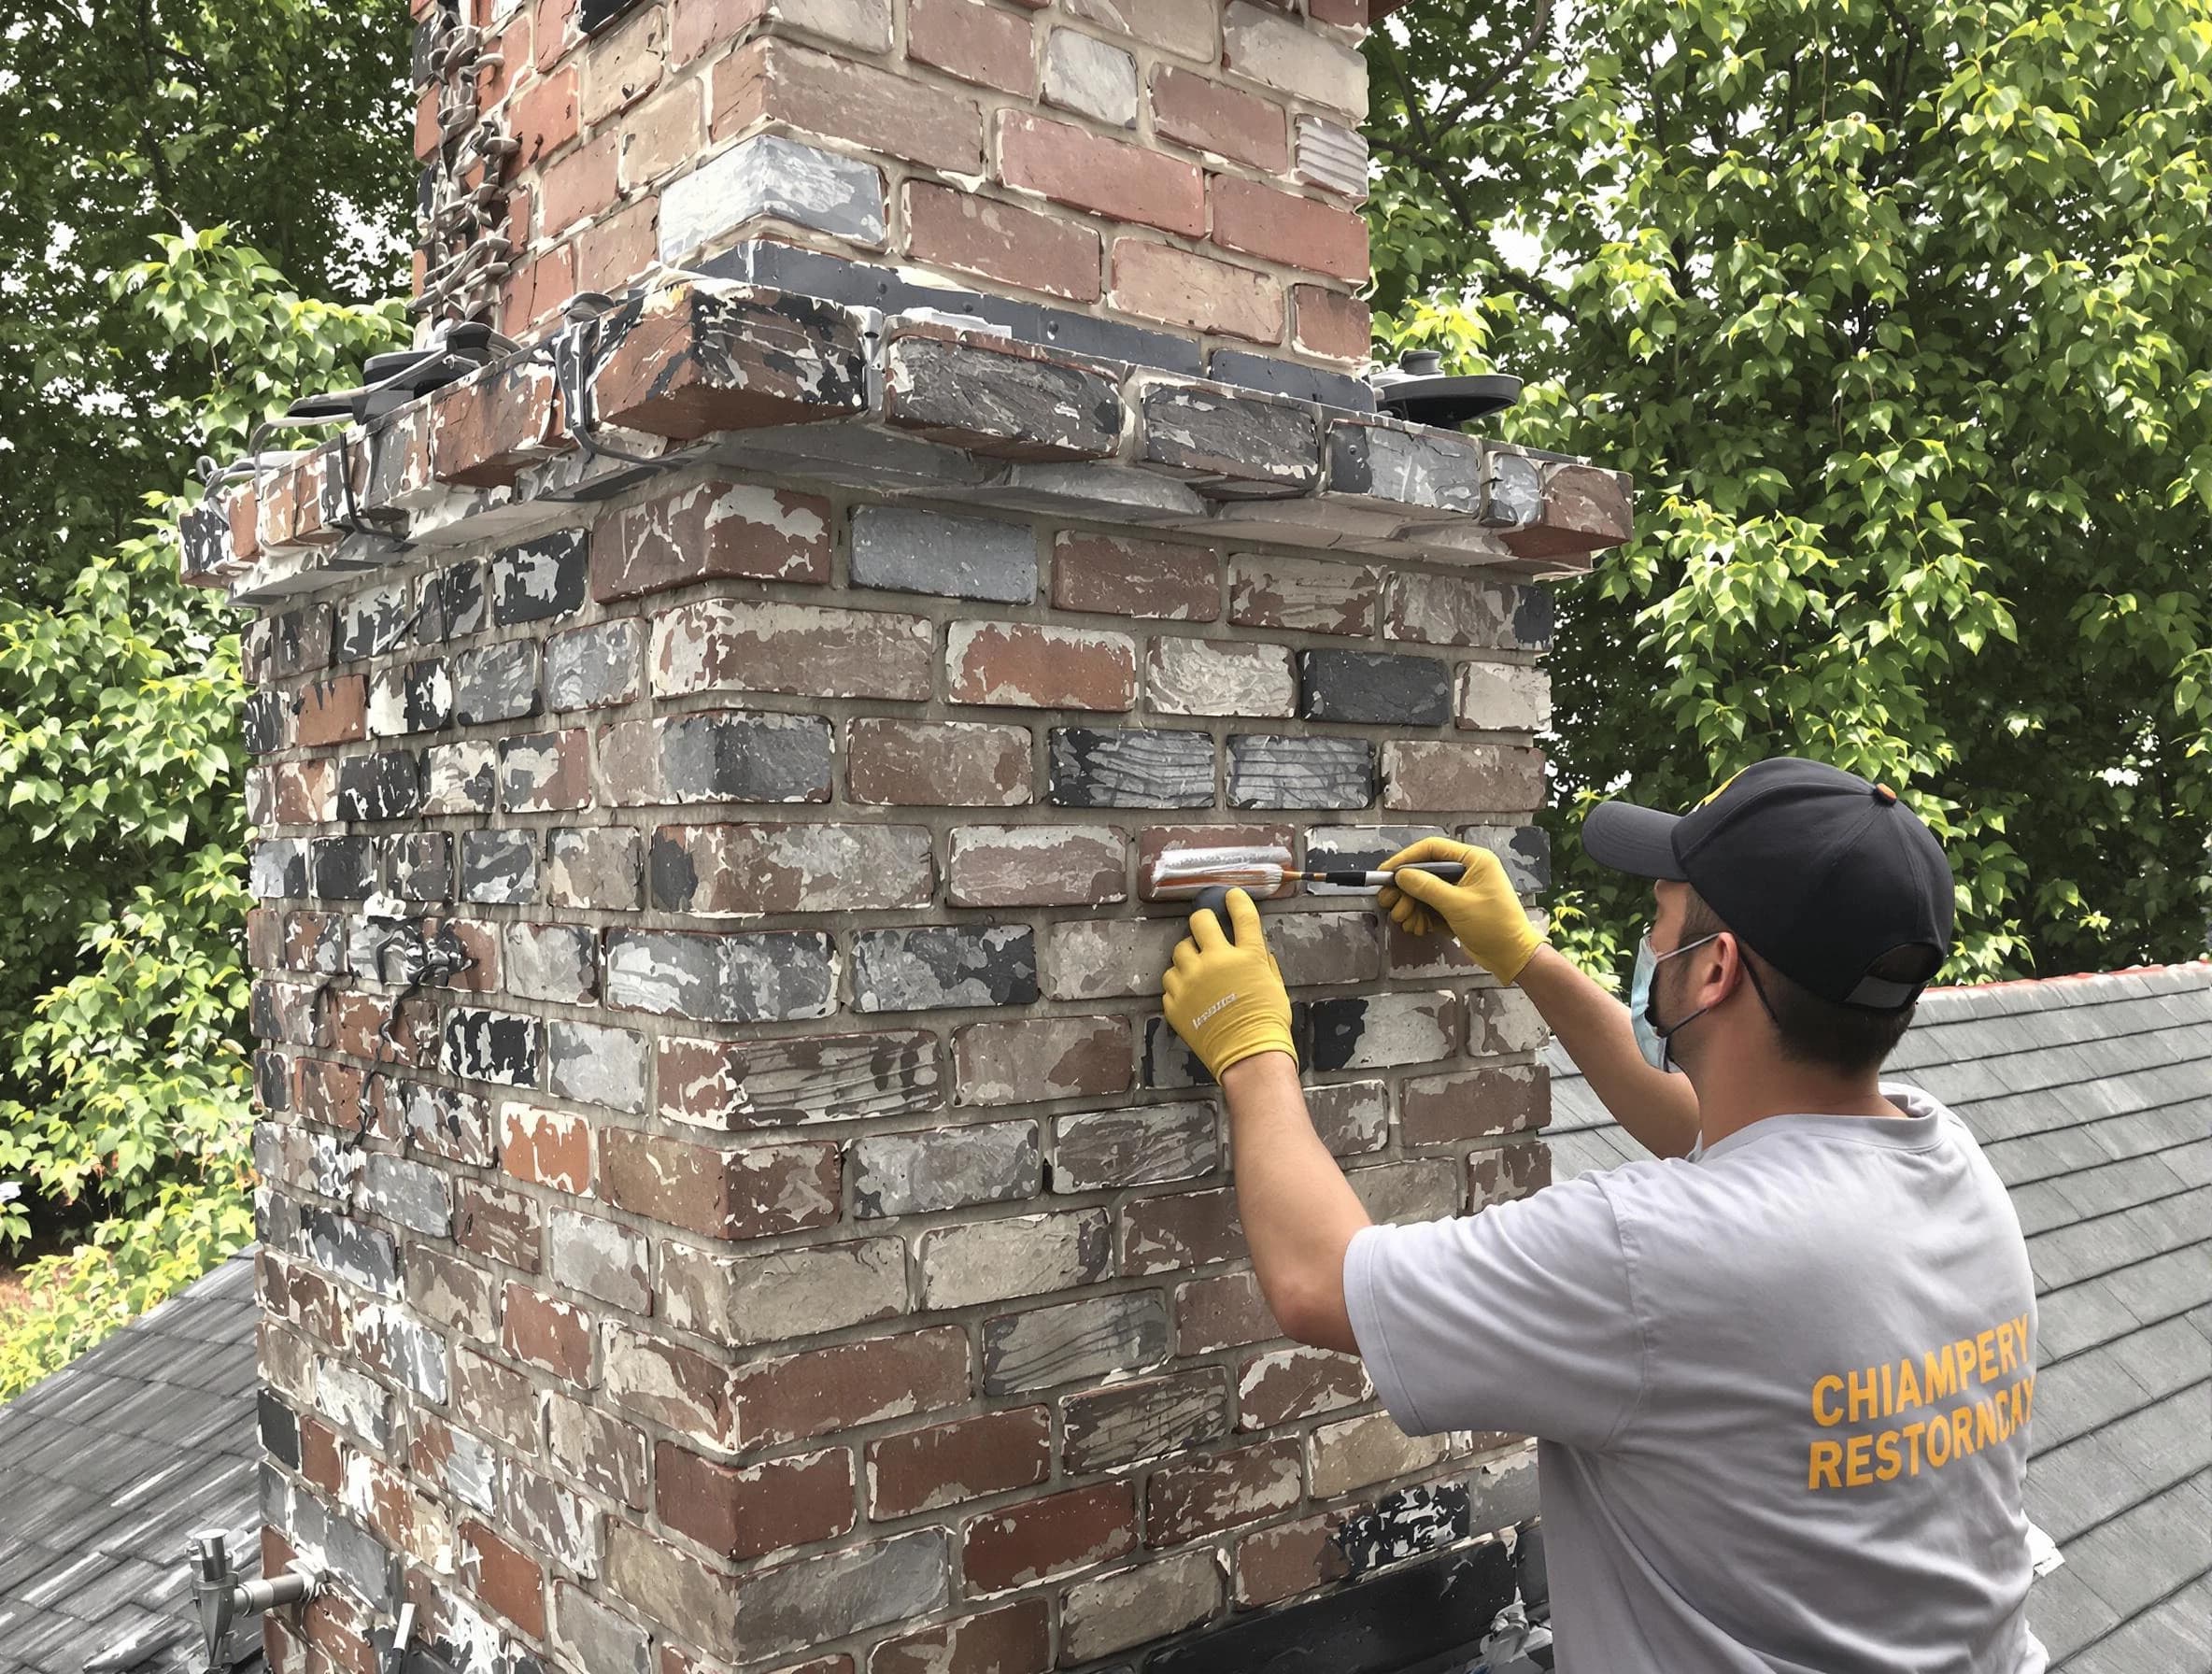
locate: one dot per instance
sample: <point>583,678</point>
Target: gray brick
<point>722,979</point>
<point>457,606</point>
<point>598,867</point>
<point>945,1168</point>
<point>596,667</point>
<point>411,1193</point>
<point>770,175</point>
<point>599,1257</point>
<point>930,966</point>
<point>371,622</point>
<point>495,683</point>
<point>1231,443</point>
<point>1127,1423</point>
<point>344,868</point>
<point>914,551</point>
<point>1130,768</point>
<point>1378,1031</point>
<point>1018,1256</point>
<point>279,870</point>
<point>420,865</point>
<point>1084,74</point>
<point>1094,1150</point>
<point>372,787</point>
<point>783,1295</point>
<point>539,580</point>
<point>461,778</point>
<point>358,1253</point>
<point>1089,1339</point>
<point>495,1046</point>
<point>732,756</point>
<point>1267,772</point>
<point>499,868</point>
<point>551,961</point>
<point>1375,687</point>
<point>595,1065</point>
<point>790,1610</point>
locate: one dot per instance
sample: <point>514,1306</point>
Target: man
<point>1781,1375</point>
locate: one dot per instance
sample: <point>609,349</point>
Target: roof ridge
<point>2203,966</point>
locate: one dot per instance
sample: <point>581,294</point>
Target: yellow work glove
<point>1482,909</point>
<point>1226,999</point>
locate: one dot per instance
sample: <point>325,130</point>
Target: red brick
<point>1504,1172</point>
<point>723,1194</point>
<point>1306,595</point>
<point>1106,176</point>
<point>942,764</point>
<point>743,646</point>
<point>1156,842</point>
<point>547,1332</point>
<point>1176,287</point>
<point>975,42</point>
<point>664,133</point>
<point>1194,1497</point>
<point>358,1023</point>
<point>895,114</point>
<point>1028,666</point>
<point>1195,110</point>
<point>1441,1109</point>
<point>1222,1313</point>
<point>503,1577</point>
<point>494,1399</point>
<point>712,530</point>
<point>331,712</point>
<point>320,1461</point>
<point>1126,576</point>
<point>1001,241</point>
<point>746,1514</point>
<point>1290,1558</point>
<point>850,1384</point>
<point>949,1464</point>
<point>330,1094</point>
<point>553,31</point>
<point>1017,1639</point>
<point>1328,323</point>
<point>1180,1229</point>
<point>543,117</point>
<point>1041,1058</point>
<point>578,186</point>
<point>306,792</point>
<point>618,247</point>
<point>1049,1537</point>
<point>1283,1384</point>
<point>1346,14</point>
<point>1281,226</point>
<point>1036,866</point>
<point>546,1147</point>
<point>700,24</point>
<point>624,65</point>
<point>502,1226</point>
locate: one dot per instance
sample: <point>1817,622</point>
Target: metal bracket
<point>220,1598</point>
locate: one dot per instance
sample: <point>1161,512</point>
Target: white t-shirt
<point>1782,1393</point>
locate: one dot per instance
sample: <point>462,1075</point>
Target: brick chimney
<point>729,1199</point>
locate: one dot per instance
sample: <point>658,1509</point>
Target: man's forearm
<point>1658,1109</point>
<point>1298,1211</point>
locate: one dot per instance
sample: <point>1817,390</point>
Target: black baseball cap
<point>1820,871</point>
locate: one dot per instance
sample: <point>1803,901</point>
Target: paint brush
<point>1184,873</point>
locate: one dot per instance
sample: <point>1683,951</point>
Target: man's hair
<point>1816,1031</point>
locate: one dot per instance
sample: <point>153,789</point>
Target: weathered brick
<point>595,1065</point>
<point>752,978</point>
<point>1052,1536</point>
<point>1275,1562</point>
<point>596,667</point>
<point>1193,109</point>
<point>1443,610</point>
<point>1264,45</point>
<point>1107,1613</point>
<point>1503,1020</point>
<point>542,772</point>
<point>331,712</point>
<point>720,1193</point>
<point>1420,774</point>
<point>1503,697</point>
<point>500,1225</point>
<point>419,866</point>
<point>725,646</point>
<point>1177,288</point>
<point>478,1045</point>
<point>411,1194</point>
<point>712,530</point>
<point>498,867</point>
<point>379,788</point>
<point>931,966</point>
<point>1223,1312</point>
<point>546,1147</point>
<point>1361,1451</point>
<point>896,115</point>
<point>495,683</point>
<point>976,43</point>
<point>595,1636</point>
<point>951,765</point>
<point>1375,687</point>
<point>1124,575</point>
<point>948,1463</point>
<point>1072,1340</point>
<point>496,1400</point>
<point>996,396</point>
<point>785,1610</point>
<point>1128,1423</point>
<point>734,1085</point>
<point>1180,1229</point>
<point>971,234</point>
<point>717,756</point>
<point>1196,676</point>
<point>1085,75</point>
<point>994,1261</point>
<point>945,1168</point>
<point>1351,1116</point>
<point>1099,1150</point>
<point>343,868</point>
<point>1437,1110</point>
<point>1014,1639</point>
<point>1271,772</point>
<point>547,1332</point>
<point>1405,1523</point>
<point>1034,866</point>
<point>1098,958</point>
<point>1502,1172</point>
<point>909,550</point>
<point>773,175</point>
<point>791,1293</point>
<point>1195,1497</point>
<point>1105,176</point>
<point>460,778</point>
<point>1186,31</point>
<point>1418,1190</point>
<point>1306,595</point>
<point>696,362</point>
<point>670,1587</point>
<point>747,1513</point>
<point>1378,1031</point>
<point>540,580</point>
<point>1282,1385</point>
<point>504,1577</point>
<point>1040,1058</point>
<point>598,867</point>
<point>850,1384</point>
<point>1032,666</point>
<point>744,870</point>
<point>596,1449</point>
<point>1130,768</point>
<point>601,1259</point>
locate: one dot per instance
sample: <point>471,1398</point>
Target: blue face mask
<point>1651,1035</point>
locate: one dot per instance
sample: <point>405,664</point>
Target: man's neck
<point>1739,1100</point>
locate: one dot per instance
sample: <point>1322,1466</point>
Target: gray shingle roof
<point>108,1465</point>
<point>2092,1097</point>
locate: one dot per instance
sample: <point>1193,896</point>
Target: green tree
<point>1900,312</point>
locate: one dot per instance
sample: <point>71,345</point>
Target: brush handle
<point>1450,871</point>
